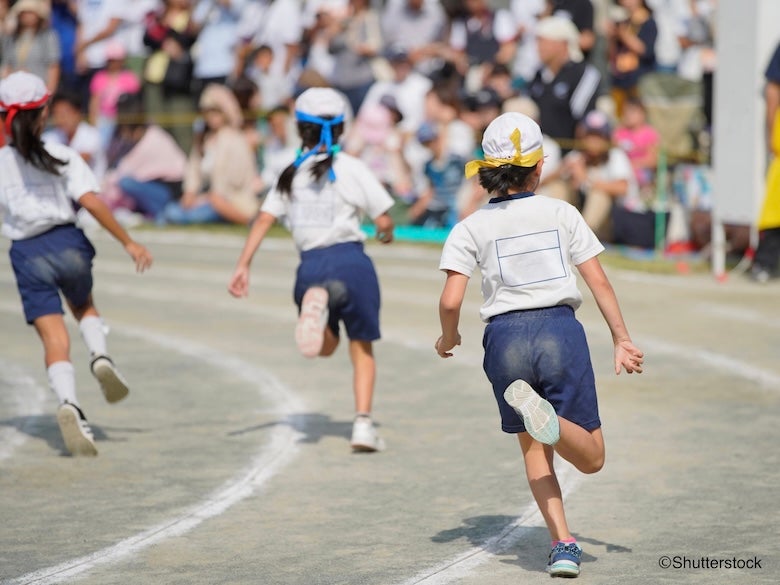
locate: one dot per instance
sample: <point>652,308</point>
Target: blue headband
<point>326,138</point>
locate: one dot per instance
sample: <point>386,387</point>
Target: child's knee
<point>592,464</point>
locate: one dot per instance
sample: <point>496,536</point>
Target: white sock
<point>93,334</point>
<point>62,380</point>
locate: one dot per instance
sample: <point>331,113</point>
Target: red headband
<point>13,109</point>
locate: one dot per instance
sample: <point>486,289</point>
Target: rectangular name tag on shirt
<point>530,258</point>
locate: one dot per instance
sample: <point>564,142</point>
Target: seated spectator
<point>417,26</point>
<point>275,88</point>
<point>641,142</point>
<point>70,128</point>
<point>146,164</point>
<point>106,87</point>
<point>437,205</point>
<point>279,144</point>
<point>376,140</point>
<point>221,172</point>
<point>601,174</point>
<point>32,44</point>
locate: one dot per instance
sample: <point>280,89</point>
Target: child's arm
<point>239,282</point>
<point>384,228</point>
<point>100,211</point>
<point>627,355</point>
<point>449,312</point>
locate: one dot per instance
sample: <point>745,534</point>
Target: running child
<point>39,187</point>
<point>536,355</point>
<point>322,197</point>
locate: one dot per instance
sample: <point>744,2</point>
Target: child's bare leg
<point>364,366</point>
<point>544,485</point>
<point>583,449</point>
<point>54,335</point>
<point>330,342</point>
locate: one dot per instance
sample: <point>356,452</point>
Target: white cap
<point>510,139</point>
<point>321,102</point>
<point>560,28</point>
<point>23,91</point>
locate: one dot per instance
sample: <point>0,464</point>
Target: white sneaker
<point>75,430</point>
<point>364,436</point>
<point>111,382</point>
<point>310,330</point>
<point>539,416</point>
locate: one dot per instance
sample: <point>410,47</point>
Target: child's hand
<point>140,255</point>
<point>444,346</point>
<point>629,357</point>
<point>239,283</point>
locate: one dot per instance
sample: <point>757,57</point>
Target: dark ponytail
<point>26,129</point>
<point>310,136</point>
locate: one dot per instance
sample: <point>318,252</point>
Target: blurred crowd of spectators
<point>183,107</point>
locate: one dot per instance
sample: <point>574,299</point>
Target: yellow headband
<point>518,160</point>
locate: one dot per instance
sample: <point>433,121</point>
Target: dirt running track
<point>229,462</point>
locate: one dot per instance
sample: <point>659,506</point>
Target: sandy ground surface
<point>229,462</point>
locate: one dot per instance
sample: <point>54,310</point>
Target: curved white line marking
<point>26,398</point>
<point>280,450</point>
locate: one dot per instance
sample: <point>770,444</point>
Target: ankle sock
<point>570,540</point>
<point>62,380</point>
<point>93,334</point>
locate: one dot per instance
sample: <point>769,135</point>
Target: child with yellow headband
<point>536,355</point>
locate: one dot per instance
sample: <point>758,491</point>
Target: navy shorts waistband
<point>541,312</point>
<point>327,250</point>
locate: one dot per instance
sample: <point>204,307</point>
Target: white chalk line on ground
<point>272,457</point>
<point>25,399</point>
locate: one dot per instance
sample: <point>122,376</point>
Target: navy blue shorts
<point>346,263</point>
<point>57,260</point>
<point>547,348</point>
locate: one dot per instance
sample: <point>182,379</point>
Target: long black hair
<point>26,128</point>
<point>310,136</point>
<point>506,179</point>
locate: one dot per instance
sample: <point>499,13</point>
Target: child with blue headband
<point>322,197</point>
<point>536,355</point>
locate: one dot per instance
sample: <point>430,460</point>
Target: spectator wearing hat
<point>600,174</point>
<point>32,45</point>
<point>419,26</point>
<point>221,175</point>
<point>565,88</point>
<point>437,206</point>
<point>106,87</point>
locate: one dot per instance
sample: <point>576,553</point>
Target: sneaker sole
<point>538,415</point>
<point>310,330</point>
<point>114,388</point>
<point>75,442</point>
<point>564,569</point>
<point>366,448</point>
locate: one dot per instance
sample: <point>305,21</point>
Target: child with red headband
<point>536,355</point>
<point>39,187</point>
<point>322,197</point>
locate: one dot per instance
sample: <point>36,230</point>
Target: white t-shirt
<point>504,30</point>
<point>33,201</point>
<point>525,249</point>
<point>324,213</point>
<point>94,16</point>
<point>86,141</point>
